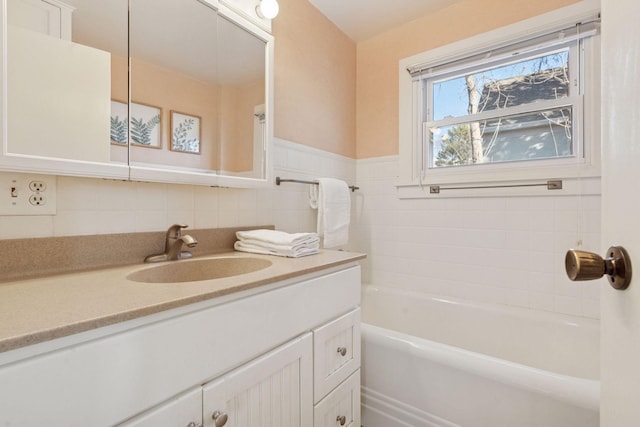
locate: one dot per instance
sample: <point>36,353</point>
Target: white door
<point>274,390</point>
<point>620,310</point>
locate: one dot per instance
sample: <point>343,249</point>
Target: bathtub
<point>433,361</point>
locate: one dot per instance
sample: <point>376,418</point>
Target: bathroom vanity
<point>275,347</point>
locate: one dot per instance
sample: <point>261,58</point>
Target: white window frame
<point>580,173</point>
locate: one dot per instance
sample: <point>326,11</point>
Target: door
<point>620,310</point>
<point>274,390</point>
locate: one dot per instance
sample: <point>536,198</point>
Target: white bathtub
<point>431,361</point>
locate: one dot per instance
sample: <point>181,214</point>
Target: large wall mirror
<point>159,90</point>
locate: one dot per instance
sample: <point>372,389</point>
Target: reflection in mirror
<point>173,70</point>
<point>241,75</point>
<point>60,61</point>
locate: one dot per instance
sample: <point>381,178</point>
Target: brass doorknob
<point>581,265</point>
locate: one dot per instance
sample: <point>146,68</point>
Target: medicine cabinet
<point>173,91</point>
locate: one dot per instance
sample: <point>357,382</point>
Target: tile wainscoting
<point>507,250</point>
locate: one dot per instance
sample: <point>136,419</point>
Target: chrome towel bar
<point>300,181</point>
<point>551,185</point>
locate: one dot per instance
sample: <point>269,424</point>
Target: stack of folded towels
<point>272,242</point>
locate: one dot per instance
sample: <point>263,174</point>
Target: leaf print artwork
<point>141,130</point>
<point>146,125</point>
<point>185,133</point>
<point>119,130</point>
<point>118,126</point>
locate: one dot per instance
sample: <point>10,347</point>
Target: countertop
<point>38,310</point>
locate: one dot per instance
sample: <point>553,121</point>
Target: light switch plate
<point>27,194</point>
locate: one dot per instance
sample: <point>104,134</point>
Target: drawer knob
<point>341,419</point>
<point>342,351</point>
<point>220,418</point>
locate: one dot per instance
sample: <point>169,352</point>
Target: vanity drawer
<point>336,348</point>
<point>341,407</point>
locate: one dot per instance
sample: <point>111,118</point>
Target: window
<point>512,111</point>
<point>511,105</point>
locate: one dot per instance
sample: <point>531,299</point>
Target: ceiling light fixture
<point>267,9</point>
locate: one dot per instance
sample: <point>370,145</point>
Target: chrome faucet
<point>173,245</point>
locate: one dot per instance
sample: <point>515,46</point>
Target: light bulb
<point>267,9</point>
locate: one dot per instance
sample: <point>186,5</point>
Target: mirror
<point>174,90</point>
<point>241,80</point>
<point>174,73</point>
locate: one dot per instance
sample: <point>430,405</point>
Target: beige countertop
<point>37,310</point>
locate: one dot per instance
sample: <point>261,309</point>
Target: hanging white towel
<point>313,196</point>
<point>334,212</point>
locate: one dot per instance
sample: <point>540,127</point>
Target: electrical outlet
<point>38,186</point>
<point>27,194</point>
<point>38,199</point>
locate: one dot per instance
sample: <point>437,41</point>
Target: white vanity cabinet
<point>248,356</point>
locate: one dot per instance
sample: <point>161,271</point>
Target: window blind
<point>512,49</point>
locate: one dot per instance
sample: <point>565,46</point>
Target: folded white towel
<point>277,237</point>
<point>310,244</point>
<point>333,202</point>
<point>285,251</point>
<point>272,242</point>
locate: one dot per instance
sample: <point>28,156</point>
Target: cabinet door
<point>183,411</point>
<point>274,390</point>
<point>341,407</point>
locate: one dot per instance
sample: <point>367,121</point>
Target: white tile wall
<point>507,250</point>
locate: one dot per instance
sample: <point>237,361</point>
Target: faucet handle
<point>174,230</point>
<point>178,226</point>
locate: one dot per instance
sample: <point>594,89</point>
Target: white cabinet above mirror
<point>175,91</point>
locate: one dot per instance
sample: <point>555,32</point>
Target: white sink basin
<point>199,269</point>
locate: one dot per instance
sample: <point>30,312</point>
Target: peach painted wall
<point>237,105</point>
<point>315,74</point>
<point>378,57</point>
<point>170,90</point>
